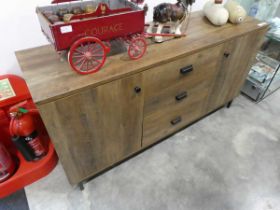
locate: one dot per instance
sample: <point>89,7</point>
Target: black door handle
<point>137,89</point>
<point>226,54</point>
<point>176,120</point>
<point>186,70</point>
<point>181,96</point>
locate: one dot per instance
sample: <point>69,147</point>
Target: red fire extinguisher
<point>7,164</point>
<point>22,124</point>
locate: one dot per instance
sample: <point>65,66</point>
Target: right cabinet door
<point>234,67</point>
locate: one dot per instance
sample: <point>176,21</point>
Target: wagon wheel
<point>107,44</point>
<point>137,48</point>
<point>87,55</point>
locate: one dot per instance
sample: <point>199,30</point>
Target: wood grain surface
<point>234,68</point>
<point>49,78</point>
<point>158,124</point>
<point>164,83</point>
<point>96,121</point>
<point>96,128</point>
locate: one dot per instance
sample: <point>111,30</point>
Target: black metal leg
<point>81,186</point>
<point>229,104</point>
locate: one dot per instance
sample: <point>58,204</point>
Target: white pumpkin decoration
<point>216,13</point>
<point>237,13</point>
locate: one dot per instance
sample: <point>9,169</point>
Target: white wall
<point>278,12</point>
<point>20,29</point>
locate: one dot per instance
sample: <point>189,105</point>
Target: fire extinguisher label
<point>6,89</point>
<point>35,143</point>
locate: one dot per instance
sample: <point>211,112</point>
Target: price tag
<point>6,89</point>
<point>262,24</point>
<point>66,29</point>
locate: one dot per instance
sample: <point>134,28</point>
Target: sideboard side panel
<point>234,69</point>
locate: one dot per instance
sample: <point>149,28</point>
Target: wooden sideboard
<point>98,120</point>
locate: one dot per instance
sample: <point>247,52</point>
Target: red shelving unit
<point>29,172</point>
<point>26,172</point>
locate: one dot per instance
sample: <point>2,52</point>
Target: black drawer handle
<point>181,96</point>
<point>137,89</point>
<point>254,87</point>
<point>186,70</point>
<point>176,120</point>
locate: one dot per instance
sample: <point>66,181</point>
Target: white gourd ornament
<point>237,13</point>
<point>216,13</point>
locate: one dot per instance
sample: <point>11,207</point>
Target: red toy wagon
<point>85,29</point>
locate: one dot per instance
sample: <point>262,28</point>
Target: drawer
<point>252,90</point>
<point>164,83</point>
<point>171,118</point>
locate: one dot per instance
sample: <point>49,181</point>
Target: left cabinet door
<point>96,128</point>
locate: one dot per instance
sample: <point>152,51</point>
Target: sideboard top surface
<point>49,78</point>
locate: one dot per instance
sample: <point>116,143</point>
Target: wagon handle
<point>62,1</point>
<point>137,1</point>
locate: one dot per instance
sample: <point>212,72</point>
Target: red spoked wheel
<point>87,55</point>
<point>137,47</point>
<point>107,44</point>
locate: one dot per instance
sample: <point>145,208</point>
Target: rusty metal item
<point>138,1</point>
<point>54,18</point>
<point>48,13</point>
<point>67,18</point>
<point>218,1</point>
<point>90,8</point>
<point>77,10</point>
<point>62,12</point>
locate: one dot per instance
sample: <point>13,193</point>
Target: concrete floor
<point>228,161</point>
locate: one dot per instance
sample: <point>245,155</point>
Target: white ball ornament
<point>237,13</point>
<point>216,13</point>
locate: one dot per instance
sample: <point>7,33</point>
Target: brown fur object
<point>166,12</point>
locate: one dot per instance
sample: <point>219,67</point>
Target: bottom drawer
<point>167,121</point>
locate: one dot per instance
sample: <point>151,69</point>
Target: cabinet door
<point>234,67</point>
<point>96,128</point>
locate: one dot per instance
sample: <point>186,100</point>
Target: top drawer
<point>186,72</point>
